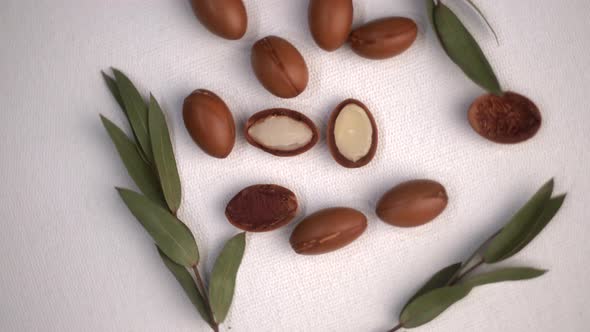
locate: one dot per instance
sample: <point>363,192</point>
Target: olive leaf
<point>188,285</point>
<point>480,13</point>
<point>169,233</point>
<point>438,280</point>
<point>506,274</point>
<point>141,173</point>
<point>430,11</point>
<point>112,85</point>
<point>223,277</point>
<point>137,112</point>
<point>428,306</point>
<point>463,50</point>
<point>164,156</point>
<point>525,225</point>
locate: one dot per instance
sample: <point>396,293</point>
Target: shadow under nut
<point>225,18</point>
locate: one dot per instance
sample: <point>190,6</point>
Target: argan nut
<point>262,208</point>
<point>281,132</point>
<point>508,119</point>
<point>384,38</point>
<point>330,22</point>
<point>352,134</point>
<point>209,122</point>
<point>412,203</point>
<point>226,18</point>
<point>279,67</point>
<point>327,230</point>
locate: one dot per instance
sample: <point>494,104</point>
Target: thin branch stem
<point>395,328</point>
<point>203,290</point>
<point>469,270</point>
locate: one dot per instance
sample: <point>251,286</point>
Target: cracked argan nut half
<point>279,67</point>
<point>352,134</point>
<point>384,38</point>
<point>262,208</point>
<point>209,122</point>
<point>226,18</point>
<point>508,119</point>
<point>327,230</point>
<point>281,132</point>
<point>412,203</point>
<point>330,22</point>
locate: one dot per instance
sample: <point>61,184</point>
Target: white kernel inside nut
<point>353,132</point>
<point>281,133</point>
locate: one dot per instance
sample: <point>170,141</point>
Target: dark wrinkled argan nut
<point>352,134</point>
<point>327,230</point>
<point>209,122</point>
<point>412,203</point>
<point>330,22</point>
<point>225,18</point>
<point>384,38</point>
<point>279,67</point>
<point>281,132</point>
<point>510,118</point>
<point>262,208</point>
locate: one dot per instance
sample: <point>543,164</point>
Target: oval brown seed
<point>510,118</point>
<point>384,38</point>
<point>412,203</point>
<point>262,208</point>
<point>352,134</point>
<point>209,122</point>
<point>327,230</point>
<point>225,18</point>
<point>281,132</point>
<point>330,22</point>
<point>279,67</point>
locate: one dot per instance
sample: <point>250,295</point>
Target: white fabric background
<point>74,259</point>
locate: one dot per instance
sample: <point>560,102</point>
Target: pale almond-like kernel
<point>281,133</point>
<point>353,132</point>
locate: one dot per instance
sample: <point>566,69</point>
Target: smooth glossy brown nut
<point>412,203</point>
<point>327,230</point>
<point>279,67</point>
<point>209,122</point>
<point>225,18</point>
<point>262,208</point>
<point>330,22</point>
<point>384,38</point>
<point>510,118</point>
<point>352,134</point>
<point>281,132</point>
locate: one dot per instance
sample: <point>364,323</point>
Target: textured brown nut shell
<point>279,67</point>
<point>330,22</point>
<point>384,38</point>
<point>282,112</point>
<point>327,230</point>
<point>262,208</point>
<point>510,118</point>
<point>332,140</point>
<point>412,203</point>
<point>209,122</point>
<point>225,18</point>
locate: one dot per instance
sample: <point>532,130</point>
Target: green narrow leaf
<point>430,11</point>
<point>171,236</point>
<point>144,177</point>
<point>112,85</point>
<point>164,156</point>
<point>223,277</point>
<point>430,305</point>
<point>137,112</point>
<point>507,274</point>
<point>480,13</point>
<point>188,284</point>
<point>438,280</point>
<point>463,50</point>
<point>522,223</point>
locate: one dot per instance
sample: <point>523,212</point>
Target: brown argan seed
<point>225,18</point>
<point>412,203</point>
<point>352,134</point>
<point>262,208</point>
<point>508,119</point>
<point>330,22</point>
<point>384,38</point>
<point>279,67</point>
<point>327,230</point>
<point>281,132</point>
<point>209,122</point>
